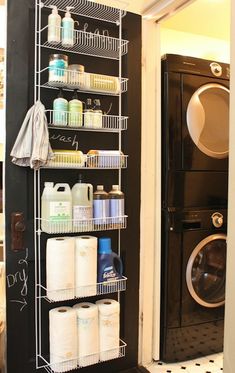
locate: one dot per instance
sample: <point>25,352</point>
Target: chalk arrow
<point>24,303</point>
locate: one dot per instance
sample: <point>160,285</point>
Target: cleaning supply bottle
<point>97,115</point>
<point>116,205</point>
<point>56,208</point>
<point>110,266</point>
<point>75,111</point>
<point>54,25</point>
<point>60,110</point>
<point>100,206</point>
<point>82,194</point>
<point>68,29</point>
<point>88,114</point>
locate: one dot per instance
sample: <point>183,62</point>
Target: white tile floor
<point>207,364</point>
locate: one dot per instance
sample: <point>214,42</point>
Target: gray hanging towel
<point>32,147</point>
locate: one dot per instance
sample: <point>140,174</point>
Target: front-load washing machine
<point>195,132</point>
<point>193,283</point>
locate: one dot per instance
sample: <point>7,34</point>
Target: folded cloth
<point>32,147</point>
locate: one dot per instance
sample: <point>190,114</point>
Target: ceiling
<point>135,6</point>
<point>205,17</point>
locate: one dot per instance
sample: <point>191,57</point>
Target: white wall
<point>177,42</point>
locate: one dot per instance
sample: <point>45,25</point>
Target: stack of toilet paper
<point>84,334</point>
<point>71,267</point>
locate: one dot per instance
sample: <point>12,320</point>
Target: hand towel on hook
<point>32,147</point>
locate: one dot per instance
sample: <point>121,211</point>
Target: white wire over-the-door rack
<point>91,44</point>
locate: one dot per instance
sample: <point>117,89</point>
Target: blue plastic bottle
<point>109,264</point>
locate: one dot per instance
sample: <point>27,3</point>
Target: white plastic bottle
<point>54,25</point>
<point>82,194</point>
<point>56,209</point>
<point>68,29</point>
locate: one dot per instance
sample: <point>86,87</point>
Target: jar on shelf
<point>76,76</point>
<point>58,65</point>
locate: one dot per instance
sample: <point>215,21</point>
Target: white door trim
<point>163,9</point>
<point>229,332</point>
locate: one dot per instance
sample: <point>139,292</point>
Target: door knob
<point>17,231</point>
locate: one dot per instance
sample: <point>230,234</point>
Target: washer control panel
<point>217,219</point>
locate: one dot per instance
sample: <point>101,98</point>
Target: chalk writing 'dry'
<point>19,280</point>
<point>73,140</point>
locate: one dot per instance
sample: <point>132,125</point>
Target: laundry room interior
<point>184,195</point>
<point>200,30</point>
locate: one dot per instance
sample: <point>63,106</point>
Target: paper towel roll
<point>60,268</point>
<point>63,339</point>
<point>88,333</point>
<point>109,328</point>
<point>86,265</point>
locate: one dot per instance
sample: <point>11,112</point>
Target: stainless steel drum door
<point>208,120</point>
<point>205,272</point>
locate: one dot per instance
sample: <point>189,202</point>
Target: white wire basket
<point>80,226</point>
<point>83,81</point>
<point>81,362</point>
<point>91,44</point>
<point>88,9</point>
<point>89,161</point>
<point>60,295</point>
<point>81,122</point>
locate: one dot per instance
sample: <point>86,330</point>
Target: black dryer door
<point>205,123</point>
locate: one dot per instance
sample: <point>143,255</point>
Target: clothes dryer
<point>195,131</point>
<point>193,283</point>
<point>195,114</point>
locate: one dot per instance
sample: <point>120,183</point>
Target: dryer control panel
<point>179,221</point>
<point>216,69</point>
<point>217,219</point>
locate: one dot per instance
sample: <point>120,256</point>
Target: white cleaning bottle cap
<point>54,9</point>
<point>68,8</point>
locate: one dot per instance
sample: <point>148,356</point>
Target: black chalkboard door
<point>19,189</point>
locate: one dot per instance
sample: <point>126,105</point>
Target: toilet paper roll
<point>88,334</point>
<point>86,265</point>
<point>63,339</point>
<point>60,268</point>
<point>109,328</point>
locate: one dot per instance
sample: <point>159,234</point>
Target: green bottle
<point>60,109</point>
<point>75,111</point>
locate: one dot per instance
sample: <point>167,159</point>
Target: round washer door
<point>206,269</point>
<point>208,120</point>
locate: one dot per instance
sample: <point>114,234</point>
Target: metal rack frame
<point>86,8</point>
<point>82,161</point>
<point>91,44</point>
<point>91,359</point>
<point>100,288</point>
<point>110,123</point>
<point>100,12</point>
<point>66,80</point>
